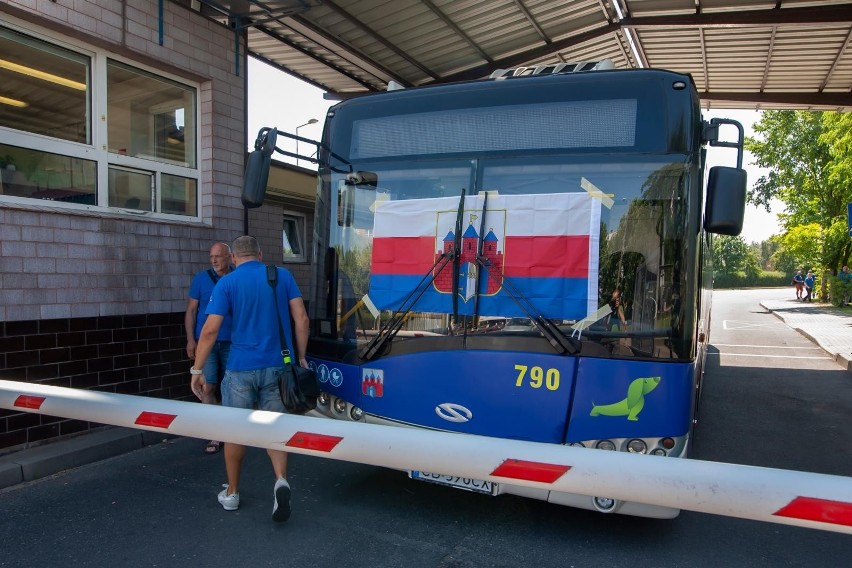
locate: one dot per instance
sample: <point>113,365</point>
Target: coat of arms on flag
<point>544,245</point>
<point>490,281</point>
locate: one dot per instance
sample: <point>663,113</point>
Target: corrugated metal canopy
<point>763,54</point>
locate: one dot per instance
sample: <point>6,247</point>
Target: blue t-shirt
<point>246,296</point>
<point>200,289</point>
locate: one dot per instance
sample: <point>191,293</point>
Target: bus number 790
<point>538,377</point>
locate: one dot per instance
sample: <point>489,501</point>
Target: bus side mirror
<point>726,195</point>
<point>257,168</point>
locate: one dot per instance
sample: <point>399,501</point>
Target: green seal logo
<point>633,404</point>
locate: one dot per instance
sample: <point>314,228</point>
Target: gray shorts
<point>253,389</point>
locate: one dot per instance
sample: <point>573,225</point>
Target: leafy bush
<point>764,279</point>
<point>840,291</point>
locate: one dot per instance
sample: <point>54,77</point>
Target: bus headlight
<point>658,452</point>
<point>605,445</point>
<point>356,413</point>
<point>636,446</point>
<point>339,405</point>
<point>323,398</point>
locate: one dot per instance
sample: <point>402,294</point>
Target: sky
<point>276,99</point>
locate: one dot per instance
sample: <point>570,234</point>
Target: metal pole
<point>310,121</point>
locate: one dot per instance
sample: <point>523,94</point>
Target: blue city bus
<point>525,257</point>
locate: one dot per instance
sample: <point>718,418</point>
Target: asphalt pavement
<point>825,325</point>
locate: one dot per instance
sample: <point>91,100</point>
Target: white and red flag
<point>542,246</point>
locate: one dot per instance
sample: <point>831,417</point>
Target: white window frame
<point>97,150</point>
<point>299,221</point>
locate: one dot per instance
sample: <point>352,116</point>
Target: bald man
<point>196,314</point>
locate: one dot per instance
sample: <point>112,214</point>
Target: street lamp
<point>311,121</point>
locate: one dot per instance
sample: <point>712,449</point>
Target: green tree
<point>809,155</point>
<point>768,248</point>
<point>838,137</point>
<point>732,255</point>
<point>802,243</point>
<point>782,259</point>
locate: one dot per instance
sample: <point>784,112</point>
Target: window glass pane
<point>130,189</point>
<point>150,117</point>
<point>44,88</point>
<point>179,195</point>
<point>40,175</point>
<point>293,237</point>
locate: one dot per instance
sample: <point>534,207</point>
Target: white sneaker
<point>229,502</point>
<point>281,508</point>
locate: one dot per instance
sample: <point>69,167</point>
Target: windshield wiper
<point>457,241</point>
<point>559,341</point>
<point>392,327</point>
<point>480,244</point>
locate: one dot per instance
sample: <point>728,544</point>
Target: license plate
<point>477,485</point>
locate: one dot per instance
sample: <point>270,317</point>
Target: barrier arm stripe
<point>531,471</point>
<point>156,419</point>
<point>308,441</point>
<point>31,402</point>
<point>803,499</point>
<point>818,510</point>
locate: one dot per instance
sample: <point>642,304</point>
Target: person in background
<point>196,314</point>
<point>809,286</point>
<point>255,363</point>
<point>799,283</point>
<point>617,316</point>
<point>845,277</point>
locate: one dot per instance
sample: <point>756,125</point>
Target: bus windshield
<point>593,244</point>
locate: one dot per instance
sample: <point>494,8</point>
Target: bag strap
<point>213,276</point>
<point>272,278</point>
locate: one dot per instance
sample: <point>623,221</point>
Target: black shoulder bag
<point>299,386</point>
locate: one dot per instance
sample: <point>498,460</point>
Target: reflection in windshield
<point>632,290</point>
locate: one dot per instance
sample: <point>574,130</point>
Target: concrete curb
<point>51,458</point>
<point>844,360</point>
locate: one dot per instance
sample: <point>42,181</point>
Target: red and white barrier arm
<point>774,495</point>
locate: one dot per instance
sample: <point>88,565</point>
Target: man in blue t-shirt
<point>809,286</point>
<point>194,318</point>
<point>255,363</point>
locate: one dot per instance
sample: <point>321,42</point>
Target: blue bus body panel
<point>631,399</point>
<point>522,396</point>
<point>410,388</point>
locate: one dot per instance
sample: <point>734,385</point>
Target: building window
<point>150,117</point>
<point>135,148</point>
<point>45,88</point>
<point>36,174</point>
<point>294,237</point>
<point>131,189</point>
<point>179,195</point>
